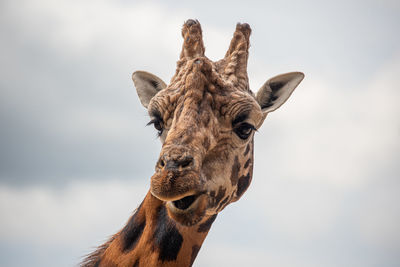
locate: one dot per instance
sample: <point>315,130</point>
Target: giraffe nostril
<point>170,163</point>
<point>186,162</point>
<point>162,163</point>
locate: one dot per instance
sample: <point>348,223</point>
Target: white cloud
<point>75,214</point>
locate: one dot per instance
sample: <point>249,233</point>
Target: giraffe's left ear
<point>277,90</point>
<point>147,85</point>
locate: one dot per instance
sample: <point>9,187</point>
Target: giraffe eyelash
<point>158,125</point>
<point>244,130</point>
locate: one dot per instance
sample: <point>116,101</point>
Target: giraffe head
<point>206,119</point>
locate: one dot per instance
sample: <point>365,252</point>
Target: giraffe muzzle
<point>173,185</point>
<point>184,197</point>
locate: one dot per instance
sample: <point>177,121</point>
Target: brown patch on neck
<point>167,237</point>
<point>133,230</point>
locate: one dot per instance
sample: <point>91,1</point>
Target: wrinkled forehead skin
<point>199,96</point>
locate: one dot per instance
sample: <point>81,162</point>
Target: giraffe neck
<point>151,238</point>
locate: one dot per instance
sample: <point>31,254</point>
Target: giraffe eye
<point>158,125</point>
<point>244,130</point>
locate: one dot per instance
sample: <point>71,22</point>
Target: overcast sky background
<point>76,157</point>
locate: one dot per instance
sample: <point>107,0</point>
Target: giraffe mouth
<point>185,203</point>
<point>188,210</point>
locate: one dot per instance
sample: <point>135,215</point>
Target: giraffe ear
<point>147,85</point>
<point>277,90</point>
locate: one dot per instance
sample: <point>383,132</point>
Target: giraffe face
<point>206,119</point>
<point>207,131</point>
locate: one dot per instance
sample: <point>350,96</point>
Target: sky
<point>76,158</point>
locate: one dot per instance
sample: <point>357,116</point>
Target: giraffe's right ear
<point>147,85</point>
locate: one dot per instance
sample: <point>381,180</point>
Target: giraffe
<point>206,119</point>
